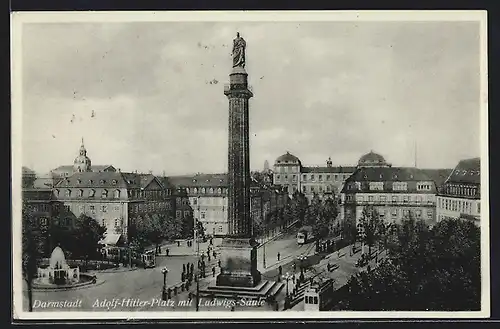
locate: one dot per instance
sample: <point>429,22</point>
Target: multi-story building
<point>207,195</point>
<point>326,181</point>
<point>396,192</point>
<point>460,195</point>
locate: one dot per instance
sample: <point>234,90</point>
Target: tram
<point>319,296</point>
<point>305,235</point>
<point>149,259</point>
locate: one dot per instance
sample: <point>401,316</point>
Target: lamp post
<point>301,260</point>
<point>164,271</point>
<point>287,277</point>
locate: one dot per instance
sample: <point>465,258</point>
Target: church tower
<point>82,162</point>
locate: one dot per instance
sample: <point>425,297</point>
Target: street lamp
<point>301,259</point>
<point>287,277</point>
<point>164,271</point>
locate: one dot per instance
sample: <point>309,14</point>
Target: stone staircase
<point>264,289</point>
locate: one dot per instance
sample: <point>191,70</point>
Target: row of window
<point>204,190</point>
<point>318,188</point>
<point>115,193</point>
<point>209,201</point>
<point>149,207</point>
<point>405,213</point>
<point>460,190</point>
<point>393,199</point>
<point>312,178</point>
<point>39,207</point>
<point>462,206</point>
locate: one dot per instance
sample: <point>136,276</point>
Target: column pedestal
<point>238,263</point>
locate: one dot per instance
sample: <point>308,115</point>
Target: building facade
<point>115,200</point>
<point>324,181</point>
<point>207,197</point>
<point>460,195</point>
<point>396,192</point>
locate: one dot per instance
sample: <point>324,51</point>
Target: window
<point>114,182</point>
<point>80,193</point>
<point>117,193</point>
<point>394,213</point>
<point>399,186</point>
<point>382,198</point>
<point>394,199</point>
<point>195,190</point>
<point>104,208</point>
<point>203,215</point>
<point>102,181</point>
<point>294,178</point>
<point>211,190</point>
<point>285,178</point>
<point>68,193</point>
<point>117,222</point>
<point>312,178</point>
<point>406,212</point>
<point>370,198</point>
<point>195,201</point>
<point>320,188</point>
<point>479,207</point>
<point>320,178</point>
<point>405,199</point>
<point>67,208</point>
<point>104,194</point>
<point>92,208</point>
<point>303,188</point>
<point>219,190</point>
<point>202,190</point>
<point>315,300</point>
<point>418,213</point>
<point>429,214</point>
<point>376,186</point>
<point>186,213</point>
<point>220,228</point>
<point>43,221</point>
<point>178,214</point>
<point>304,177</point>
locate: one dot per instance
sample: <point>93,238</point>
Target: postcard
<point>222,165</point>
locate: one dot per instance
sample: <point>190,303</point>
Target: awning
<point>110,239</point>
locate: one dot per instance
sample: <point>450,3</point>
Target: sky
<point>321,89</point>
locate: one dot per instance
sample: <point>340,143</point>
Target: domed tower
<point>82,162</point>
<point>372,159</point>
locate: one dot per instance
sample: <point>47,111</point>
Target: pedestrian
<point>215,254</point>
<point>280,270</point>
<point>202,256</point>
<point>213,271</point>
<point>279,256</point>
<point>211,241</point>
<point>208,253</point>
<point>183,276</point>
<point>159,250</point>
<point>183,268</point>
<point>293,267</point>
<point>208,257</point>
<point>219,263</point>
<point>178,243</point>
<point>167,251</point>
<point>192,268</point>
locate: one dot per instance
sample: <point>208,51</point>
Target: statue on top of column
<point>239,46</point>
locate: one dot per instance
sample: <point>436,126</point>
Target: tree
<point>370,224</point>
<point>31,246</point>
<point>87,235</point>
<point>299,207</point>
<point>434,269</point>
<point>187,229</point>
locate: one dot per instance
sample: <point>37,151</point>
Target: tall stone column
<point>239,252</point>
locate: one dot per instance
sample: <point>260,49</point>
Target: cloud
<point>320,89</point>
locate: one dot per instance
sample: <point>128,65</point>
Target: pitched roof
<point>384,174</point>
<point>333,169</point>
<point>466,171</point>
<point>106,179</point>
<point>199,180</point>
<point>94,168</point>
<point>439,176</point>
